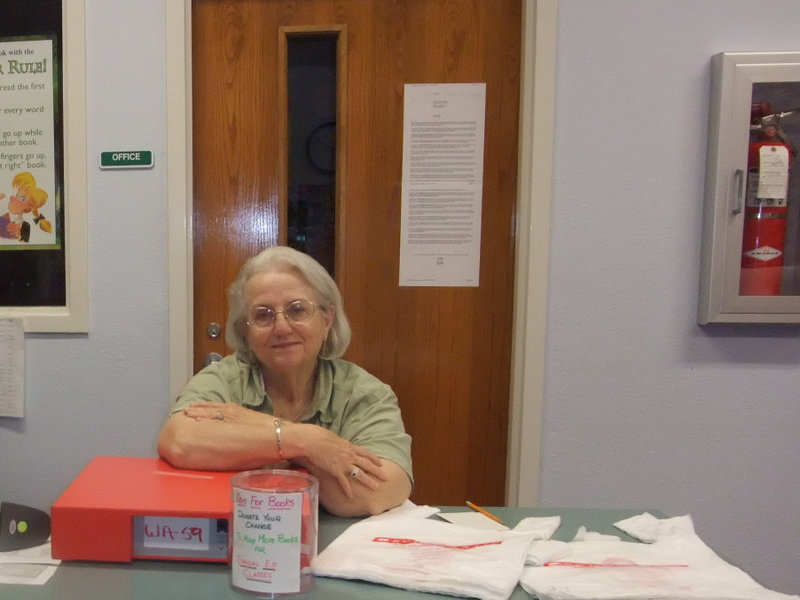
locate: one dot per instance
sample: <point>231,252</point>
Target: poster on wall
<point>442,188</point>
<point>43,221</point>
<point>34,243</point>
<point>29,202</point>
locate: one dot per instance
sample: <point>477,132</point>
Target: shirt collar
<point>321,408</point>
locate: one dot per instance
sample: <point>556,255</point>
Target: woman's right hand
<point>228,412</point>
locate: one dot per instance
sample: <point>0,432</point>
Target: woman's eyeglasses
<point>298,311</point>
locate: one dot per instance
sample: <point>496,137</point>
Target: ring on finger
<point>220,416</point>
<point>355,472</point>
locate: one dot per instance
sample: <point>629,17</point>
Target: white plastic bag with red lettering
<point>428,555</point>
<point>675,565</point>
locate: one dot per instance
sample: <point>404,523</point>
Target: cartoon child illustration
<point>28,198</point>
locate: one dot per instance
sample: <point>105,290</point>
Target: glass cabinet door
<point>750,269</point>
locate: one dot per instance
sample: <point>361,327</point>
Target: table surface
<point>150,579</point>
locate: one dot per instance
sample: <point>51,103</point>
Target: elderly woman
<point>285,395</point>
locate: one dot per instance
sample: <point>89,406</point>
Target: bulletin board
<point>42,174</point>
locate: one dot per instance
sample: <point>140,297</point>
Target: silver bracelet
<point>278,424</point>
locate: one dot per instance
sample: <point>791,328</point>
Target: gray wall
<point>105,393</point>
<point>642,407</point>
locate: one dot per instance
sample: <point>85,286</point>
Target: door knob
<point>212,357</point>
<point>214,330</point>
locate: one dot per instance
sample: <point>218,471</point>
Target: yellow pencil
<point>485,512</point>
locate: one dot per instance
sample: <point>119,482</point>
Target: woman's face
<point>286,346</point>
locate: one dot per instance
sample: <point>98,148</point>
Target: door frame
<point>536,134</point>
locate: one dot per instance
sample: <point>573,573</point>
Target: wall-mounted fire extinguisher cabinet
<point>750,267</point>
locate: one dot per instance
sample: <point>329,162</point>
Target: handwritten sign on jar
<point>274,538</point>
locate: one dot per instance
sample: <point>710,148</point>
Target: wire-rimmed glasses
<point>297,311</point>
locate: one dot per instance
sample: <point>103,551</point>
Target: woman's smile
<point>283,345</point>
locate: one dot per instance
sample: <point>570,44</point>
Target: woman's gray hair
<point>283,259</point>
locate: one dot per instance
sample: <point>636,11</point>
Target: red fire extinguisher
<point>766,209</point>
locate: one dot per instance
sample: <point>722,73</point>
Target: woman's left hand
<point>347,463</point>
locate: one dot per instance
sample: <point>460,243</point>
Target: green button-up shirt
<point>348,401</point>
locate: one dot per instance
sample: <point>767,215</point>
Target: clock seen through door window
<point>321,148</point>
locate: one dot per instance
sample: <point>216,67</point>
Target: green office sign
<point>126,159</point>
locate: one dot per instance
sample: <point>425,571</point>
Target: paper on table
<point>407,509</point>
<point>472,519</point>
<point>25,574</point>
<point>29,566</point>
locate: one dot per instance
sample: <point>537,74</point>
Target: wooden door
<point>446,351</point>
